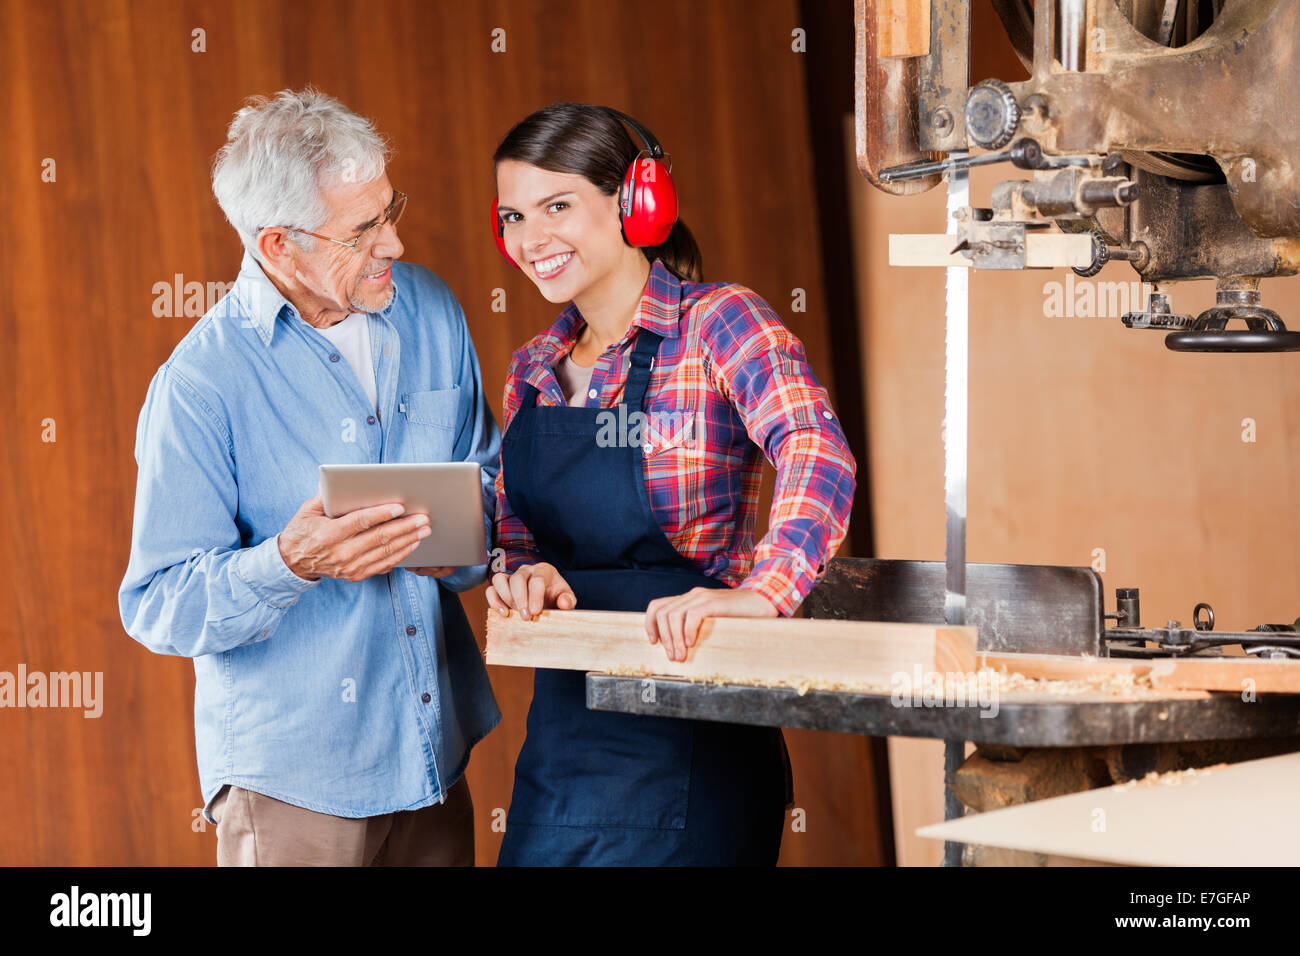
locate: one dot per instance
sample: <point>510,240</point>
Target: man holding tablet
<point>338,692</point>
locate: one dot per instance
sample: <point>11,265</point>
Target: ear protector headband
<point>647,200</point>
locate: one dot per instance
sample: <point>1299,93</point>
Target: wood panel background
<point>130,114</point>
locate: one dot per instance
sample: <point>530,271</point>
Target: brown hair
<point>592,142</point>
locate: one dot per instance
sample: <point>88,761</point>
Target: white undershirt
<point>352,338</point>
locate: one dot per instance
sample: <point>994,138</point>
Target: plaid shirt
<point>729,379</point>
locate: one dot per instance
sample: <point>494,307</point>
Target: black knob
<point>992,114</point>
<point>1100,256</point>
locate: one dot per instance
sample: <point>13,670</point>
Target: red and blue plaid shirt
<point>729,379</point>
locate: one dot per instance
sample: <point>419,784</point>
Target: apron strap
<point>638,376</point>
<point>642,361</point>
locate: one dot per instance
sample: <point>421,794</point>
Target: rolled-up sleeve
<point>190,588</point>
<point>762,369</point>
<point>513,541</point>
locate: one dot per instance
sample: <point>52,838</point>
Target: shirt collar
<point>660,307</point>
<point>659,311</point>
<point>263,303</point>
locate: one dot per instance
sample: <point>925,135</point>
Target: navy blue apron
<point>609,789</point>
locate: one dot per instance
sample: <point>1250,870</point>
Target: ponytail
<point>680,254</point>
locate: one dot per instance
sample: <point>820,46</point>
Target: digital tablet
<point>450,493</point>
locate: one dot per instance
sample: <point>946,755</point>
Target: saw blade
<point>956,341</point>
<point>957,316</point>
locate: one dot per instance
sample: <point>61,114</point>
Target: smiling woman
<point>659,525</point>
<point>590,158</point>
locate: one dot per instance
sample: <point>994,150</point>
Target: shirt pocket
<point>675,433</point>
<point>431,417</point>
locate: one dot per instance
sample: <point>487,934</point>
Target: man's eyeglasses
<point>390,215</point>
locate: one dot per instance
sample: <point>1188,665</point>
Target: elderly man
<point>337,696</point>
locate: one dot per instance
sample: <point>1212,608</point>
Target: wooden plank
<point>1043,250</point>
<point>1183,818</point>
<point>902,28</point>
<point>885,122</point>
<point>739,650</point>
<point>1222,673</point>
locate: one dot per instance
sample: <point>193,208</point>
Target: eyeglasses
<point>390,215</point>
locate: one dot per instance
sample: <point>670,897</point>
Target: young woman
<point>652,513</point>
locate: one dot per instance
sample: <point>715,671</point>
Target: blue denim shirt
<point>348,698</point>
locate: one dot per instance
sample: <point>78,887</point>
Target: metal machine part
<point>1128,638</point>
<point>1103,253</point>
<point>1157,315</point>
<point>1117,88</point>
<point>1018,608</point>
<point>1024,153</point>
<point>992,114</point>
<point>1236,299</point>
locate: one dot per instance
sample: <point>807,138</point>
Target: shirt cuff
<point>784,580</point>
<point>262,568</point>
<point>516,558</point>
<point>464,578</point>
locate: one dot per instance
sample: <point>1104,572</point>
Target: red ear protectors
<point>647,203</point>
<point>647,200</point>
<point>499,230</point>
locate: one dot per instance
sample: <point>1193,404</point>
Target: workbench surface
<point>1026,720</point>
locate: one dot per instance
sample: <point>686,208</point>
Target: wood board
<point>1234,674</point>
<point>1048,250</point>
<point>1183,818</point>
<point>902,27</point>
<point>740,650</point>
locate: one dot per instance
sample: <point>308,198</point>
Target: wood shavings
<point>959,686</point>
<point>1107,684</point>
<point>1171,778</point>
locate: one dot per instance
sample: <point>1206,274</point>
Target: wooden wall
<point>114,93</point>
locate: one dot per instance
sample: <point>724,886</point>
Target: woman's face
<point>561,229</point>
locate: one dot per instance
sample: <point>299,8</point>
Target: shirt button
<point>370,419</point>
<point>410,629</point>
<point>827,415</point>
<point>425,697</point>
<point>334,356</point>
<point>593,393</point>
<point>646,448</point>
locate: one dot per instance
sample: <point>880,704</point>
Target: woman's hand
<point>529,589</point>
<point>675,621</point>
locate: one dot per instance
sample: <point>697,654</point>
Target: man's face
<point>361,279</point>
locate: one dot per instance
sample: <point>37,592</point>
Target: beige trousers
<point>257,830</point>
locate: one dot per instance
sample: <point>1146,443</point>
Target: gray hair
<point>279,154</point>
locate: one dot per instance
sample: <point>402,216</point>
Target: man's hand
<point>531,588</point>
<point>356,546</point>
<point>675,621</point>
<point>432,572</point>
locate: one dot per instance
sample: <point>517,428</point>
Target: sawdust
<point>1170,778</point>
<point>986,680</point>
